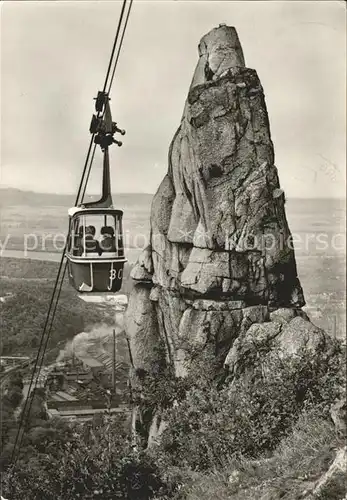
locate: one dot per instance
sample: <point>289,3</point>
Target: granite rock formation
<point>220,265</point>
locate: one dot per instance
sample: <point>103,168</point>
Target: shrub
<point>253,415</point>
<point>301,457</point>
<point>90,461</point>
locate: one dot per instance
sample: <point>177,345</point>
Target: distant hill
<point>14,197</point>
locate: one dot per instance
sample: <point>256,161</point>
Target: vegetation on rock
<point>228,440</point>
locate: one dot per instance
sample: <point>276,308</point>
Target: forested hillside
<point>29,285</point>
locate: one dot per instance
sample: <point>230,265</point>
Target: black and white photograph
<point>173,250</point>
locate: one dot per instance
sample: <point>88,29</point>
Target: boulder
<point>334,479</point>
<point>338,413</point>
<point>142,328</point>
<point>143,269</point>
<point>277,337</point>
<point>300,334</point>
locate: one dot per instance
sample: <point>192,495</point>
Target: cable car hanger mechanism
<point>101,135</point>
<point>103,130</point>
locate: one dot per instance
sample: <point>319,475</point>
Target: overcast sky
<point>54,57</point>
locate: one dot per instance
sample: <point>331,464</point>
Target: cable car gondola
<point>89,271</point>
<point>95,250</point>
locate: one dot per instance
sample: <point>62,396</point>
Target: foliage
<point>28,269</point>
<point>39,270</point>
<point>23,314</point>
<point>210,425</point>
<point>90,461</point>
<point>276,413</point>
<point>301,457</point>
<point>10,400</point>
<point>212,432</point>
<point>159,391</point>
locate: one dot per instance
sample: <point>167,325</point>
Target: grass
<point>292,470</point>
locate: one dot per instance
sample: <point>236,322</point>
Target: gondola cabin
<point>95,250</point>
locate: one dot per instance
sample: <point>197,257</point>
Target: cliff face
<point>221,255</point>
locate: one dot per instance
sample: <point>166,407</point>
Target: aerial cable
<point>111,81</point>
<point>115,44</point>
<point>24,411</point>
<point>51,323</point>
<point>120,46</point>
<point>88,163</point>
<point>81,190</point>
<point>43,345</point>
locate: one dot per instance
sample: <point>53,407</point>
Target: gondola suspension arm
<point>103,98</point>
<point>62,266</point>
